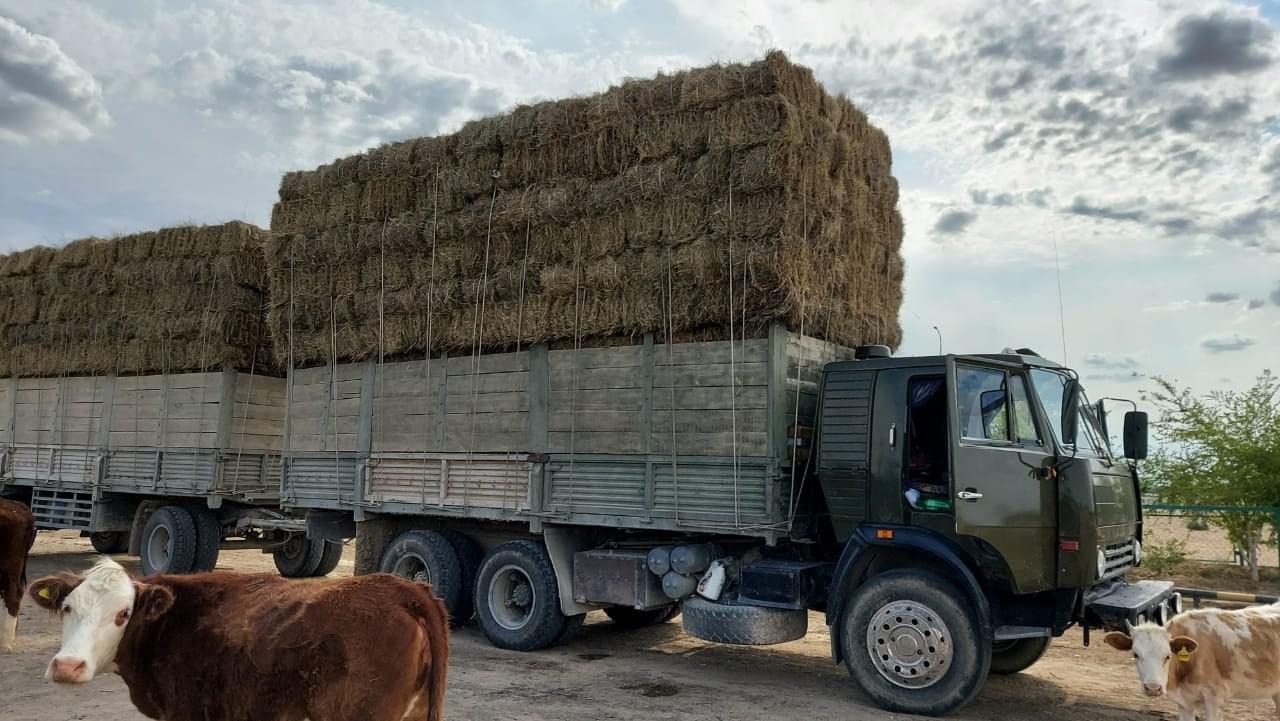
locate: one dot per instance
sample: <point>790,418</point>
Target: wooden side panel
<point>257,415</point>
<point>710,399</point>
<point>325,410</point>
<point>597,399</point>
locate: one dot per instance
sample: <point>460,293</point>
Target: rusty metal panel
<point>321,480</point>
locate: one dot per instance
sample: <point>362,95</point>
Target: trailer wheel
<point>208,538</point>
<point>518,599</point>
<point>426,557</point>
<point>1017,655</point>
<point>298,556</point>
<point>911,641</point>
<point>109,541</point>
<point>470,555</point>
<point>630,618</point>
<point>169,541</point>
<point>330,554</point>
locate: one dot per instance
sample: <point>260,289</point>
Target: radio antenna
<point>1062,323</point>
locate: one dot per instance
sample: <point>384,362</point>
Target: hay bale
<point>181,299</point>
<point>611,216</point>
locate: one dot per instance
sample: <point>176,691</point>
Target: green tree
<point>1220,449</point>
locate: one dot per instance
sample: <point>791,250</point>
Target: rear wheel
<point>109,541</point>
<point>1018,655</point>
<point>169,541</point>
<point>426,557</point>
<point>208,538</point>
<point>910,640</point>
<point>518,599</point>
<point>629,618</point>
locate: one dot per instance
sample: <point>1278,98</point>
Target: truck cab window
<point>982,397</point>
<point>927,468</point>
<point>1024,423</point>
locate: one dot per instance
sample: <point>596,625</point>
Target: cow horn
<point>1128,627</point>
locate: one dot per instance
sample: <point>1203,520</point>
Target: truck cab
<point>983,479</point>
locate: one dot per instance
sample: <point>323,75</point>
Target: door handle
<point>968,494</point>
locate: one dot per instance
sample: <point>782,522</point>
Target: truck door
<point>1003,488</point>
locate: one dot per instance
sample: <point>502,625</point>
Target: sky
<point>1099,182</point>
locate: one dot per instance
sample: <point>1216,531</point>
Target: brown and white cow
<point>233,647</point>
<point>1205,658</point>
<point>17,535</point>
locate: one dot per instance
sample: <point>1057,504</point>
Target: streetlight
<point>935,330</point>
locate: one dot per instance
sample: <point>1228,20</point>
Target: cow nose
<point>67,670</point>
<point>1152,689</point>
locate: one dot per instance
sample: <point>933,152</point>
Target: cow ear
<point>49,592</point>
<point>1183,647</point>
<point>151,601</point>
<point>1118,641</point>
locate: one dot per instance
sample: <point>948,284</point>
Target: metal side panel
<point>249,475</point>
<point>451,480</point>
<point>694,492</point>
<point>176,471</point>
<point>55,509</point>
<point>132,471</point>
<point>321,480</point>
<point>70,467</point>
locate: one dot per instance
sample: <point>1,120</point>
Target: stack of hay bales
<point>644,209</point>
<point>189,298</point>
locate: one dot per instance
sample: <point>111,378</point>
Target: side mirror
<point>1135,435</point>
<point>1070,412</point>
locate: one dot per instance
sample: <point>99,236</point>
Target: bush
<point>1197,523</point>
<point>1163,558</point>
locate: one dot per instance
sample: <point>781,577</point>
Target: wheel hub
<point>909,644</point>
<point>511,598</point>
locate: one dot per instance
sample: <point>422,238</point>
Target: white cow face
<point>1152,650</point>
<point>96,609</point>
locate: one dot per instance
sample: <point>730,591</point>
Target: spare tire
<point>743,625</point>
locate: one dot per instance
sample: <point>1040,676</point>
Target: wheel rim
<point>511,598</point>
<point>909,644</point>
<point>412,567</point>
<point>293,548</point>
<point>160,548</point>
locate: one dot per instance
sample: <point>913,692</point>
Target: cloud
<point>1200,112</point>
<point>1037,197</point>
<point>1275,295</point>
<point>1111,361</point>
<point>44,95</point>
<point>1221,297</point>
<point>1217,44</point>
<point>1227,343</point>
<point>953,222</point>
<point>1255,303</point>
<point>1088,209</point>
<point>608,5</point>
<point>1271,167</point>
<point>1130,377</point>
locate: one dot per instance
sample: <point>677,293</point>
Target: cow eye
<point>66,608</point>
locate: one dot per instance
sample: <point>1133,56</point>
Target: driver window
<point>1024,424</point>
<point>983,404</point>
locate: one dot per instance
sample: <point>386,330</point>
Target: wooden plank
<point>613,357</point>
<point>713,444</point>
<point>618,420</point>
<point>747,374</point>
<point>467,364</point>
<point>597,399</point>
<point>320,392</point>
<point>538,397</point>
<point>755,350</point>
<point>176,381</point>
<point>596,378</point>
<point>226,407</point>
<point>442,419</point>
<point>509,402</point>
<point>594,442</point>
<point>749,421</point>
<point>713,398</point>
<point>487,383</point>
<point>776,405</point>
<point>369,377</point>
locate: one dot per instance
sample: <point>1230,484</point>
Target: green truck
<point>949,515</point>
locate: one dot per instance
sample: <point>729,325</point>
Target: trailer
<point>169,467</point>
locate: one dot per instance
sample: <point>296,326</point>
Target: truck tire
<point>109,541</point>
<point>630,618</point>
<point>298,557</point>
<point>208,538</point>
<point>911,640</point>
<point>742,625</point>
<point>470,555</point>
<point>330,554</point>
<point>169,541</point>
<point>518,599</point>
<point>426,557</point>
<point>1017,655</point>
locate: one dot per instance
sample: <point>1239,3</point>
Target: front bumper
<point>1109,606</point>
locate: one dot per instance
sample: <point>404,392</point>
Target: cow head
<point>96,609</point>
<point>1153,650</point>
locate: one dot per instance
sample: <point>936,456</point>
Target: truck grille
<point>1119,558</point>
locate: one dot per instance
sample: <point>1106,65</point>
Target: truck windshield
<point>1050,387</point>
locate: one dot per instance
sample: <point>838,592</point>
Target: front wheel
<point>912,642</point>
<point>1018,655</point>
<point>109,541</point>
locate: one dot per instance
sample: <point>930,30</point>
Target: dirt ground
<point>657,673</point>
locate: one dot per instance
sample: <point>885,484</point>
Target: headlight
<point>1102,564</point>
<point>1137,553</point>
